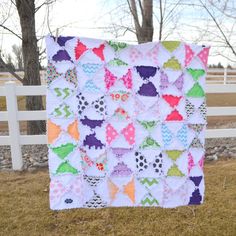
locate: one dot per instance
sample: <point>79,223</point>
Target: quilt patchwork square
<point>126,123</point>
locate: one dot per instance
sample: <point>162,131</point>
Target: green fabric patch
<point>196,91</point>
<point>117,46</point>
<point>62,111</point>
<point>149,201</point>
<point>196,73</point>
<point>149,142</point>
<point>171,45</point>
<point>148,181</point>
<point>63,93</point>
<point>148,125</point>
<point>64,150</point>
<point>117,62</point>
<point>65,167</point>
<point>174,154</point>
<point>172,63</point>
<point>174,171</point>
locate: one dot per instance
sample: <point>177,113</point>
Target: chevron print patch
<point>63,93</point>
<point>62,111</point>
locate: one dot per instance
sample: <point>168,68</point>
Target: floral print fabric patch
<point>126,123</point>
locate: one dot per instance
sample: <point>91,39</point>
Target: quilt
<point>126,123</point>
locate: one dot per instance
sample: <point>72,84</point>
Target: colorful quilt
<point>126,123</point>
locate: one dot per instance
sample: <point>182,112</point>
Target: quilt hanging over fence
<point>126,123</point>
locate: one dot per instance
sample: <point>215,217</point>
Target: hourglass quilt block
<point>126,123</point>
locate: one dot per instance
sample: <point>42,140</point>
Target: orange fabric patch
<point>129,190</point>
<point>53,131</point>
<point>113,189</point>
<point>73,130</point>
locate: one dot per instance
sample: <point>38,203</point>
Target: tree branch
<point>124,27</point>
<point>10,70</point>
<point>223,10</point>
<point>42,52</point>
<point>141,8</point>
<point>133,10</point>
<point>172,10</point>
<point>11,31</point>
<point>226,57</point>
<point>13,3</point>
<point>219,28</point>
<point>161,21</point>
<point>47,2</point>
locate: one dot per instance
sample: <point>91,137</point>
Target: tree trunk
<point>147,24</point>
<point>26,12</point>
<point>161,21</point>
<point>144,32</point>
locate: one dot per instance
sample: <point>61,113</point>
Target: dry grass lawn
<point>24,210</point>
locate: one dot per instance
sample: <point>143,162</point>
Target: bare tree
<point>17,50</point>
<point>225,31</point>
<point>148,17</point>
<point>144,27</point>
<point>9,61</point>
<point>167,13</point>
<point>26,10</point>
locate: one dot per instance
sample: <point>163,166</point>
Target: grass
<point>24,210</point>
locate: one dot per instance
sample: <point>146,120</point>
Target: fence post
<point>13,125</point>
<point>225,75</point>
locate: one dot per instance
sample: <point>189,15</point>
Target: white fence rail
<point>221,76</point>
<point>13,116</point>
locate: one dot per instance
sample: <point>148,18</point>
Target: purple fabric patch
<point>148,90</point>
<point>62,40</point>
<point>61,55</point>
<point>179,83</point>
<point>146,71</point>
<point>91,141</point>
<point>91,123</point>
<point>196,180</point>
<point>164,81</point>
<point>121,169</point>
<point>120,152</point>
<point>196,198</point>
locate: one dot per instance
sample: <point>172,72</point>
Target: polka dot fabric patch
<point>126,123</point>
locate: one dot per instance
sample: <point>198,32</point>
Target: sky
<point>90,18</point>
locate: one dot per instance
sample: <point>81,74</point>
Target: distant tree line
<point>219,65</point>
<point>15,60</point>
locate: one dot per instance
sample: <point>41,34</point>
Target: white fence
<point>221,76</point>
<point>13,116</point>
